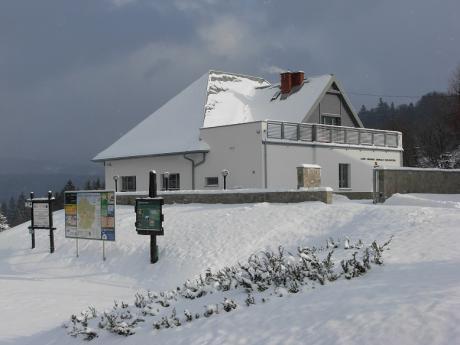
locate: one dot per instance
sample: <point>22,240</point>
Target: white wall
<point>237,148</point>
<point>140,168</point>
<point>240,149</point>
<point>283,159</point>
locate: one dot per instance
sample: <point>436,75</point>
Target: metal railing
<point>307,132</point>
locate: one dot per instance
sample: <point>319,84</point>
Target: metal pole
<point>76,245</point>
<point>103,250</point>
<point>50,211</point>
<point>153,238</point>
<point>225,182</point>
<point>32,230</point>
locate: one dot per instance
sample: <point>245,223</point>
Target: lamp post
<point>115,179</point>
<point>166,175</point>
<point>225,173</point>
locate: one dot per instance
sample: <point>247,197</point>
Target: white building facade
<point>258,132</point>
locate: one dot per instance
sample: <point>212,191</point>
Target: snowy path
<point>413,299</point>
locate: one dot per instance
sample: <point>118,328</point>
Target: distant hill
<point>11,185</point>
<point>25,175</point>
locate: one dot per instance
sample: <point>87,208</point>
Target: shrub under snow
<point>265,275</point>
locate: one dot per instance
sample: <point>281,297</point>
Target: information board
<point>41,215</point>
<point>90,215</point>
<point>149,218</point>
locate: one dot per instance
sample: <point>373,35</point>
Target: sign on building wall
<point>90,215</point>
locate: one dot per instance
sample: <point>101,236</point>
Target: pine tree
<point>11,214</point>
<point>88,185</point>
<point>4,209</point>
<point>97,184</point>
<point>21,211</point>
<point>69,186</point>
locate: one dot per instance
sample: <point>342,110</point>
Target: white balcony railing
<point>307,132</point>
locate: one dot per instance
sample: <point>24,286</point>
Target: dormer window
<point>330,119</point>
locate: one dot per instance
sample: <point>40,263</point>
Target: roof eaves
<point>95,159</point>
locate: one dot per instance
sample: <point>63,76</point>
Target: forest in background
<point>430,127</point>
<point>15,212</point>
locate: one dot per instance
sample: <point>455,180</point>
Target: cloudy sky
<point>76,75</point>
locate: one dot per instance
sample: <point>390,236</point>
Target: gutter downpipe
<point>264,142</point>
<point>265,164</point>
<point>194,165</point>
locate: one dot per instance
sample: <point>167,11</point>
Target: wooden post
<point>50,210</point>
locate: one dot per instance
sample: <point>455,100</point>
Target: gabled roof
<point>217,99</point>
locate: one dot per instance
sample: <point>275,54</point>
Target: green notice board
<point>149,215</point>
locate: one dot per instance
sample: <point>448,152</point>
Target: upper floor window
<point>330,120</point>
<point>128,183</point>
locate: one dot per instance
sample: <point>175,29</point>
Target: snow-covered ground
<point>413,299</point>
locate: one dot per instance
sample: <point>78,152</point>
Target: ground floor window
<point>330,120</point>
<point>128,183</point>
<point>344,175</point>
<point>170,181</point>
<point>212,181</point>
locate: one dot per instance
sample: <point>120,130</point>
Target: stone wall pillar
<point>308,175</point>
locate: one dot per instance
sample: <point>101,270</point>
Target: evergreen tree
<point>69,186</point>
<point>11,214</point>
<point>22,213</point>
<point>4,209</point>
<point>88,185</point>
<point>97,184</point>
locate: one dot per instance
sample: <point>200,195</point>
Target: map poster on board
<point>90,215</point>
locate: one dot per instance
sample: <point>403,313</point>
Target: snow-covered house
<point>259,132</point>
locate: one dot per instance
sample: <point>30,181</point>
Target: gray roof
<point>216,99</point>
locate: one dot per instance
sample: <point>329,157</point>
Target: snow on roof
<point>234,98</point>
<point>215,99</point>
<point>174,128</point>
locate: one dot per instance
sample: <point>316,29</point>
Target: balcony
<point>327,134</point>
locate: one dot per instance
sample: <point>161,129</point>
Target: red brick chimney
<point>286,82</point>
<point>290,80</point>
<point>297,78</point>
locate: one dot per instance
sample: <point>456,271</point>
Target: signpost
<point>90,215</point>
<point>41,215</point>
<point>149,216</point>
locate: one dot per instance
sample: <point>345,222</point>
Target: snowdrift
<point>412,299</point>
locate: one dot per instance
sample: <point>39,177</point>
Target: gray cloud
<point>80,74</point>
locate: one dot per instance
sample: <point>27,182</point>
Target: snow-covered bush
<point>3,223</point>
<point>266,274</point>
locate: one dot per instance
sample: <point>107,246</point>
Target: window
<point>128,183</point>
<point>172,182</point>
<point>330,120</point>
<point>212,181</point>
<point>344,175</point>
